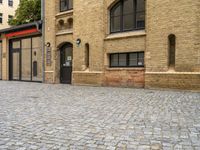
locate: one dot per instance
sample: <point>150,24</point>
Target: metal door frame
<point>11,51</point>
<point>1,59</point>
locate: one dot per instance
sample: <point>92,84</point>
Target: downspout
<point>43,39</point>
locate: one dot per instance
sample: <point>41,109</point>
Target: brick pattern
<point>182,81</point>
<point>182,21</point>
<point>124,77</point>
<point>92,26</point>
<point>87,78</point>
<point>49,77</point>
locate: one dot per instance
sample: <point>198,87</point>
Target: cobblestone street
<point>41,116</point>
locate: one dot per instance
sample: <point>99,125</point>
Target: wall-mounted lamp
<point>78,42</point>
<point>48,44</point>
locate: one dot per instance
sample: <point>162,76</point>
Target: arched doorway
<point>66,57</point>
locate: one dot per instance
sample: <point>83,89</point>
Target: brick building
<point>128,43</point>
<point>134,43</point>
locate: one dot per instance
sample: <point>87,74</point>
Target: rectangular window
<point>66,5</point>
<point>10,17</point>
<point>10,2</point>
<point>1,18</point>
<point>1,1</point>
<point>132,59</point>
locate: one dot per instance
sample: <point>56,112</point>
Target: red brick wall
<point>124,77</point>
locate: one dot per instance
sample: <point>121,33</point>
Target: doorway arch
<point>66,60</point>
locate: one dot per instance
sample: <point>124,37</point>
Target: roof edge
<point>21,27</point>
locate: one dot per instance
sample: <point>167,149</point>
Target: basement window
<point>132,59</point>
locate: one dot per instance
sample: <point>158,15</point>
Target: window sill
<point>125,35</point>
<point>64,13</point>
<point>125,68</point>
<point>64,32</point>
<point>89,72</point>
<point>167,72</point>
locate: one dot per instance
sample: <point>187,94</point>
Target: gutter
<point>43,39</point>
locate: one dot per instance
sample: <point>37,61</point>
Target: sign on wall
<point>48,56</point>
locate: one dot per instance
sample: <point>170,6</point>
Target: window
<point>10,2</point>
<point>133,59</point>
<point>87,55</point>
<point>1,1</point>
<point>172,50</point>
<point>66,5</point>
<point>127,15</point>
<point>10,17</point>
<point>1,18</point>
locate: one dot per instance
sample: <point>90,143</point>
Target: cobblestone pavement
<point>42,116</point>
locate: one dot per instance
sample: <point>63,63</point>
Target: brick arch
<point>62,44</point>
<point>111,3</point>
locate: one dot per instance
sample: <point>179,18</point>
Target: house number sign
<point>48,56</point>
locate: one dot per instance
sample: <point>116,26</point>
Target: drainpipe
<point>43,38</point>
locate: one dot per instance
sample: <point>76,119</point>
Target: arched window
<point>87,55</point>
<point>66,5</point>
<point>172,50</point>
<point>127,15</point>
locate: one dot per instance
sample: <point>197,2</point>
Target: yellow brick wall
<point>91,25</point>
<point>50,36</point>
<point>182,19</point>
<point>172,17</point>
<point>184,81</point>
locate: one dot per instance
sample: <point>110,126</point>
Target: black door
<point>66,63</point>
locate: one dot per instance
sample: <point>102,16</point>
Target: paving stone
<point>42,116</point>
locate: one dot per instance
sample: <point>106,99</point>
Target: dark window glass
<point>115,18</point>
<point>140,15</point>
<point>87,55</point>
<point>66,5</point>
<point>10,17</point>
<point>127,15</point>
<point>10,2</point>
<point>140,59</point>
<point>1,1</point>
<point>122,60</point>
<point>134,59</point>
<point>35,69</point>
<point>114,60</point>
<point>172,50</point>
<point>1,18</point>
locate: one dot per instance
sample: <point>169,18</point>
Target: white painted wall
<point>7,10</point>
